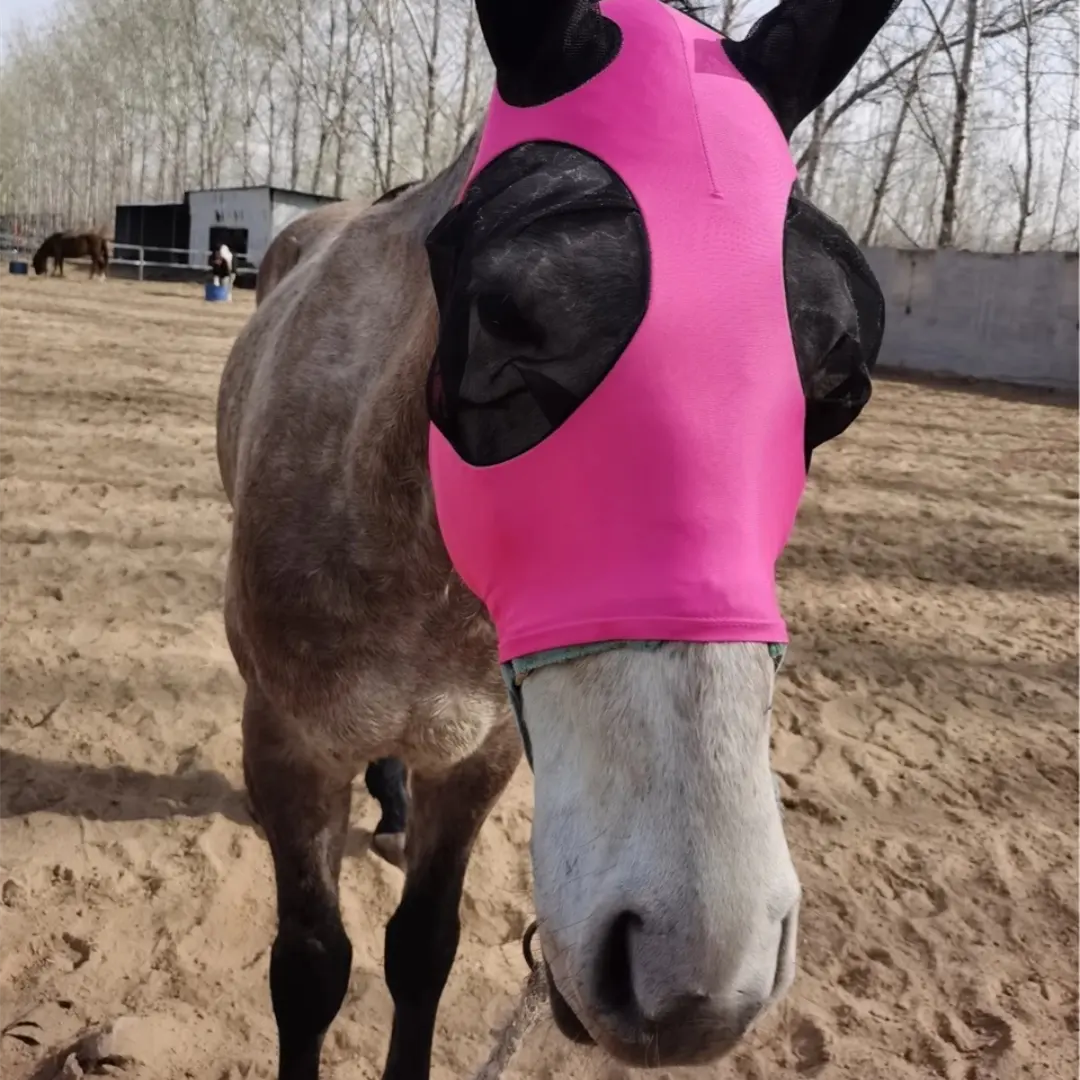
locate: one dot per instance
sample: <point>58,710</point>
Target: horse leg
<point>303,807</point>
<point>422,936</point>
<point>385,780</point>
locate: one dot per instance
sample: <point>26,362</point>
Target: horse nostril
<point>615,981</point>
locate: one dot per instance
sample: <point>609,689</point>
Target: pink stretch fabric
<point>658,510</point>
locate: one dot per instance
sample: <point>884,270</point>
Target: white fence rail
<point>200,262</point>
<point>130,255</point>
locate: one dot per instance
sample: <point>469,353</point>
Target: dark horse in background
<point>71,244</point>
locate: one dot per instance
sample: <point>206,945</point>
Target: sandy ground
<point>925,732</point>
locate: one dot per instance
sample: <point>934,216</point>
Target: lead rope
<point>510,1036</point>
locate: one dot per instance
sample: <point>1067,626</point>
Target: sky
<point>29,12</point>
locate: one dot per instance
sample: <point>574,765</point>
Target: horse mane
<point>394,192</point>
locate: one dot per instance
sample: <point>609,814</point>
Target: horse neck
<point>388,453</point>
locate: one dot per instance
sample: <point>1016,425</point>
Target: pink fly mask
<point>645,328</point>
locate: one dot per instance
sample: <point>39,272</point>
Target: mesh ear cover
<point>837,315</point>
<point>795,56</point>
<point>798,53</point>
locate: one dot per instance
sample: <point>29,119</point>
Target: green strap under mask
<point>514,671</point>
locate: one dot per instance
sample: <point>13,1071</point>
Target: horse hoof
<point>391,847</point>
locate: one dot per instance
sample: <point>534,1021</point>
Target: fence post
<point>142,259</point>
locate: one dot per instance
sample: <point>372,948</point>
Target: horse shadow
<point>115,793</point>
<point>120,793</point>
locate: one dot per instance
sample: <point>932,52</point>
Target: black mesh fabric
<point>795,55</point>
<point>541,275</point>
<point>517,354</point>
<point>799,52</point>
<point>528,329</point>
<point>837,315</point>
<point>543,49</point>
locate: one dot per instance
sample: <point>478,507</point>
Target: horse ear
<point>522,35</point>
<point>796,55</point>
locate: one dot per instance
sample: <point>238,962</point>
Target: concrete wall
<point>1006,318</point>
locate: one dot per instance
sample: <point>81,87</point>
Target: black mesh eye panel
<point>541,275</point>
<point>837,315</point>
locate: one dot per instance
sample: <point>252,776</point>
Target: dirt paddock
<point>925,733</point>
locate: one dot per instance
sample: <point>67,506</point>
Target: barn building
<point>245,218</point>
<point>162,230</point>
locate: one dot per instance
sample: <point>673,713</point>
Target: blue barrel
<point>216,292</point>
<point>16,266</point>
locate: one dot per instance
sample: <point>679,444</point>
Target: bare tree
<point>910,88</point>
<point>958,127</point>
<point>728,12</point>
<point>1022,177</point>
<point>964,79</point>
<point>1063,170</point>
<point>812,155</point>
<point>461,113</point>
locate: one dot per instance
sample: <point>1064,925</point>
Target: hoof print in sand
<point>809,1046</point>
<point>118,1045</point>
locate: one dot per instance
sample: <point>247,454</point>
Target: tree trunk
<point>271,142</point>
<point>812,155</point>
<point>727,18</point>
<point>965,86</point>
<point>297,104</point>
<point>1024,183</point>
<point>320,151</point>
<point>911,88</point>
<point>92,177</point>
<point>144,151</point>
<point>429,97</point>
<point>1063,173</point>
<point>462,115</point>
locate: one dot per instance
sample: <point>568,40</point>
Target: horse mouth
<point>641,1046</point>
<point>565,1018</point>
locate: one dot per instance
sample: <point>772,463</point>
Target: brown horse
<point>73,245</point>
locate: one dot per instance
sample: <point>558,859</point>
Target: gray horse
<point>666,897</point>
